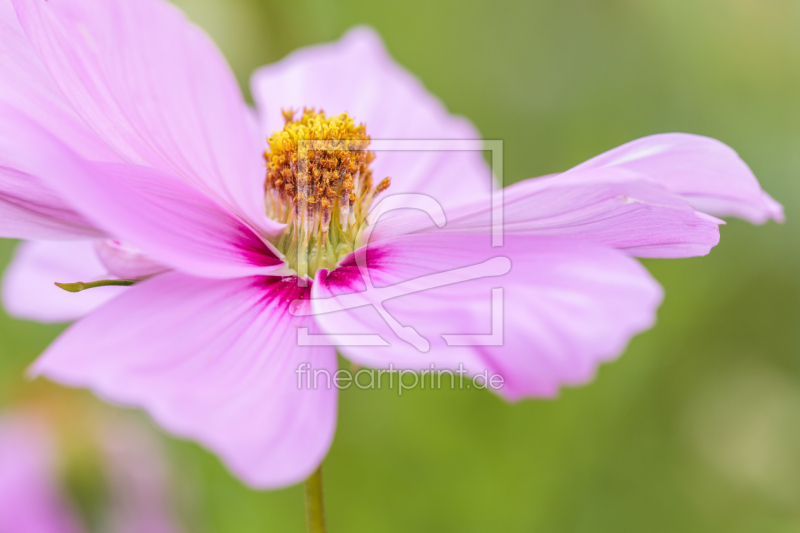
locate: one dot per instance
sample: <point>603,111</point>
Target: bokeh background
<point>697,427</point>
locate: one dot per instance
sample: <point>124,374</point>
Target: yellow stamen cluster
<point>319,183</point>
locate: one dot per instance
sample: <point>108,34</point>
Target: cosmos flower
<point>127,151</point>
<point>32,497</point>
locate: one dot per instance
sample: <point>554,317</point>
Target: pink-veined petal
<point>707,172</point>
<point>210,360</point>
<point>26,84</point>
<point>614,207</point>
<point>156,89</point>
<point>566,306</point>
<point>28,283</point>
<point>162,216</point>
<point>356,75</point>
<point>30,210</point>
<point>30,499</point>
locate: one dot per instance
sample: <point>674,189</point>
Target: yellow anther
<point>383,185</point>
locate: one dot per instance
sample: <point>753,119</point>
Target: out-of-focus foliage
<point>697,427</point>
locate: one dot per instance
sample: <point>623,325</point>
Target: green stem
<point>81,286</point>
<point>315,508</point>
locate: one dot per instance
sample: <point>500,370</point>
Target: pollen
<point>319,183</point>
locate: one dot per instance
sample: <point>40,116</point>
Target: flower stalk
<point>315,508</point>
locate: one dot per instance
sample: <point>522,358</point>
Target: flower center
<point>319,183</point>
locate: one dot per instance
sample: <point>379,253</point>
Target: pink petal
<point>210,360</point>
<point>30,210</point>
<point>356,75</point>
<point>708,173</point>
<point>567,306</point>
<point>156,89</point>
<point>28,284</point>
<point>614,207</point>
<point>26,85</point>
<point>125,261</point>
<point>162,216</point>
<point>30,500</point>
<point>27,208</point>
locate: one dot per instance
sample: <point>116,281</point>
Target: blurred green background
<point>697,427</point>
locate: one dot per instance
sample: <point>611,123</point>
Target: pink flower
<point>32,501</point>
<point>126,149</point>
